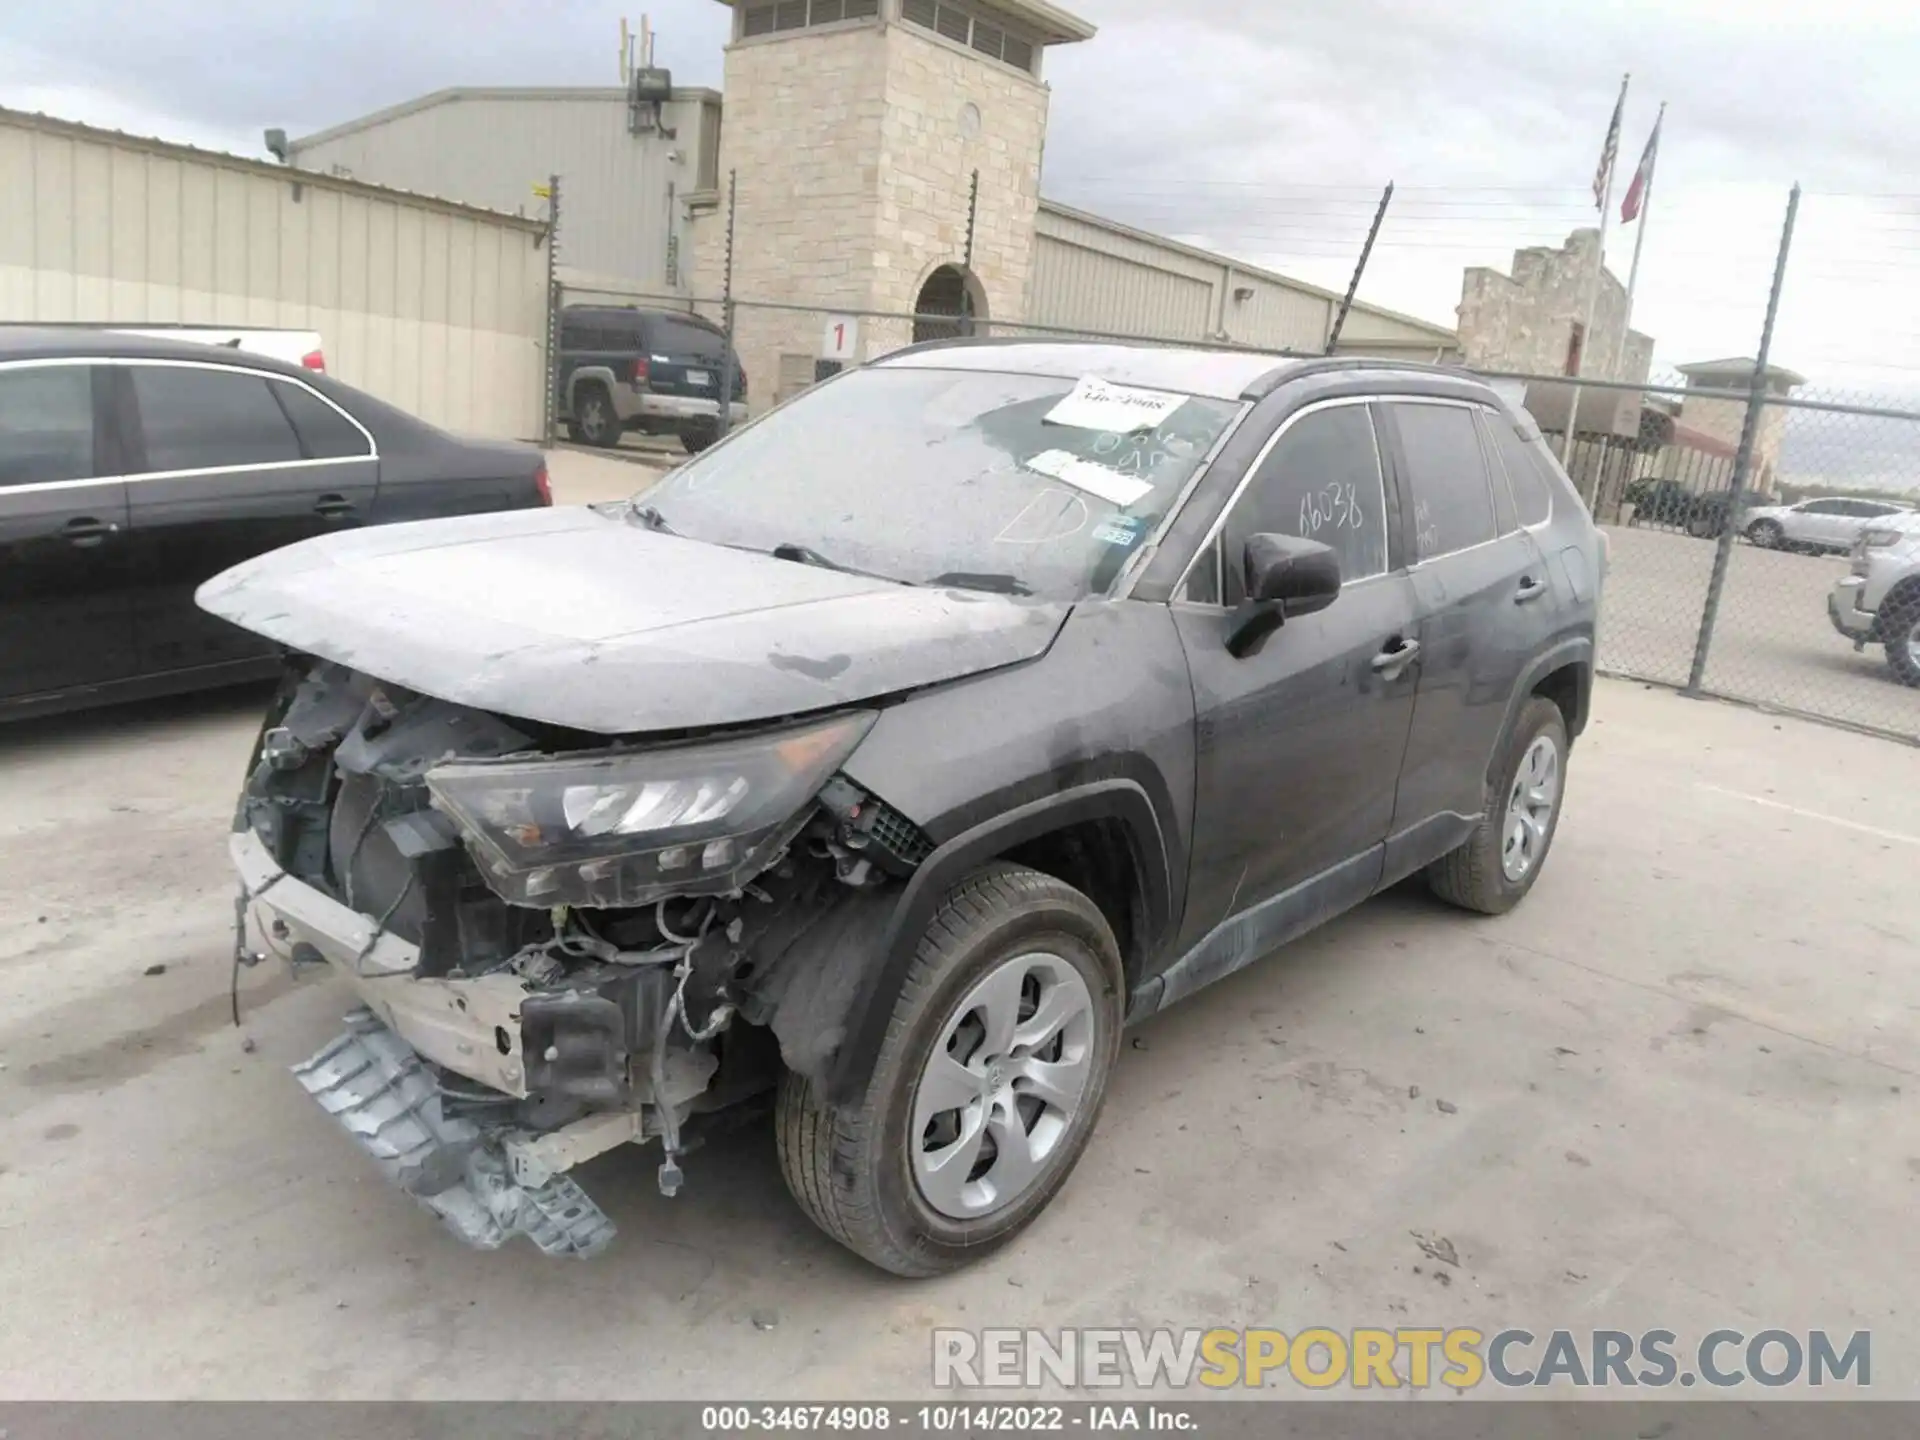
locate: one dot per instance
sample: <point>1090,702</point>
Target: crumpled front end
<point>560,944</point>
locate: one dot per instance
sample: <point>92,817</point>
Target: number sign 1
<point>841,340</point>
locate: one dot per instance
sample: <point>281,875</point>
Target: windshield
<point>1025,484</point>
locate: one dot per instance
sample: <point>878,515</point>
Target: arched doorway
<point>949,290</point>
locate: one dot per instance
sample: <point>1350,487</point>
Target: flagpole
<point>1593,295</point>
<point>1640,238</point>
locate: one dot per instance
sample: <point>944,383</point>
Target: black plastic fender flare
<point>1577,650</point>
<point>871,1007</point>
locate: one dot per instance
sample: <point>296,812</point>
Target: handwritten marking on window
<point>1336,506</point>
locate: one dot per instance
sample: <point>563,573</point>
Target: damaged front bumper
<point>375,1085</point>
<point>486,1181</point>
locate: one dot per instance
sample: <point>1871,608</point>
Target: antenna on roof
<point>648,88</point>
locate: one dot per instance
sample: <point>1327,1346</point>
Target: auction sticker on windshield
<point>1096,405</point>
<point>1095,479</point>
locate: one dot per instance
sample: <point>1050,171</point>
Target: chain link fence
<point>1656,463</point>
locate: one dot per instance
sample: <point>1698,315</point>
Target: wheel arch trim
<point>871,1008</point>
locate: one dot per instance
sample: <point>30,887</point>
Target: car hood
<point>585,619</point>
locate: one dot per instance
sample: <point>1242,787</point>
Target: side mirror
<point>1286,577</point>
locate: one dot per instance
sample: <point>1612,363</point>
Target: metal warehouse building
<point>435,305</point>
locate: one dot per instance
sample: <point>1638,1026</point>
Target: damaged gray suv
<point>890,757</point>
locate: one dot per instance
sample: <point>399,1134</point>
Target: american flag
<point>1603,177</point>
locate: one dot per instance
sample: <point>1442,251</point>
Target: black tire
<point>698,438</point>
<point>594,418</point>
<point>1767,534</point>
<point>851,1169</point>
<point>1900,630</point>
<point>1472,876</point>
<point>1704,527</point>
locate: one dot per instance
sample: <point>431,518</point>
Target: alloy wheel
<point>1530,806</point>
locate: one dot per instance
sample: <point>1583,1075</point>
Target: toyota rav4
<point>890,757</point>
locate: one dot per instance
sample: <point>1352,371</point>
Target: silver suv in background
<point>1878,603</point>
<point>1815,526</point>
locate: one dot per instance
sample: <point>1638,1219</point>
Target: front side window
<point>1320,481</point>
<point>46,424</point>
<point>1452,500</point>
<point>204,419</point>
<point>951,477</point>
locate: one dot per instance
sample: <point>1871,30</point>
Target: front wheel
<point>987,1087</point>
<point>1900,627</point>
<point>1767,534</point>
<point>1496,867</point>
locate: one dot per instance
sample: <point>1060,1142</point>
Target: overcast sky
<point>1264,128</point>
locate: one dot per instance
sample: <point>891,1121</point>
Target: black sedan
<point>133,469</point>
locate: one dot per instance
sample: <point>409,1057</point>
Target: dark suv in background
<point>657,372</point>
<point>893,756</point>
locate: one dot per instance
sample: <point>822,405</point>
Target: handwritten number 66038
<point>1336,505</point>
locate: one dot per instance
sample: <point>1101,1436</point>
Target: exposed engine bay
<point>561,942</point>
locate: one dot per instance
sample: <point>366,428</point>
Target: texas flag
<point>1642,179</point>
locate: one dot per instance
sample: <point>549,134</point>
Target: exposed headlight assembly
<point>1880,539</point>
<point>633,827</point>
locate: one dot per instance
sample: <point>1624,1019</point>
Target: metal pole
<point>550,409</point>
<point>1743,457</point>
<point>1599,279</point>
<point>728,359</point>
<point>1353,285</point>
<point>1640,240</point>
<point>966,263</point>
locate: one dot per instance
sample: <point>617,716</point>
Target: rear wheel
<point>697,438</point>
<point>1496,867</point>
<point>987,1087</point>
<point>594,418</point>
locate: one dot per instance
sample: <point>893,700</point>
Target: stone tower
<point>855,130</point>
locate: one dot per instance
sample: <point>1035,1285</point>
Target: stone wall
<point>855,150</point>
<point>1524,322</point>
<point>931,143</point>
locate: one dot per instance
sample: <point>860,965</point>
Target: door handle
<point>333,506</point>
<point>1391,662</point>
<point>1530,589</point>
<point>85,531</point>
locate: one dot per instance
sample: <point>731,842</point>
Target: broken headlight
<point>634,827</point>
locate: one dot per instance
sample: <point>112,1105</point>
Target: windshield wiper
<point>993,584</point>
<point>807,555</point>
<point>650,517</point>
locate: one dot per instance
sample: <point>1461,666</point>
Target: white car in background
<point>1815,525</point>
<point>1878,603</point>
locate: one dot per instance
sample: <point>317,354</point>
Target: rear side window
<point>46,424</point>
<point>1452,499</point>
<point>194,419</point>
<point>1321,481</point>
<point>324,433</point>
<point>680,338</point>
<point>1532,494</point>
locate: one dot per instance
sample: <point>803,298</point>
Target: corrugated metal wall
<point>491,147</point>
<point>439,309</point>
<point>1093,273</point>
